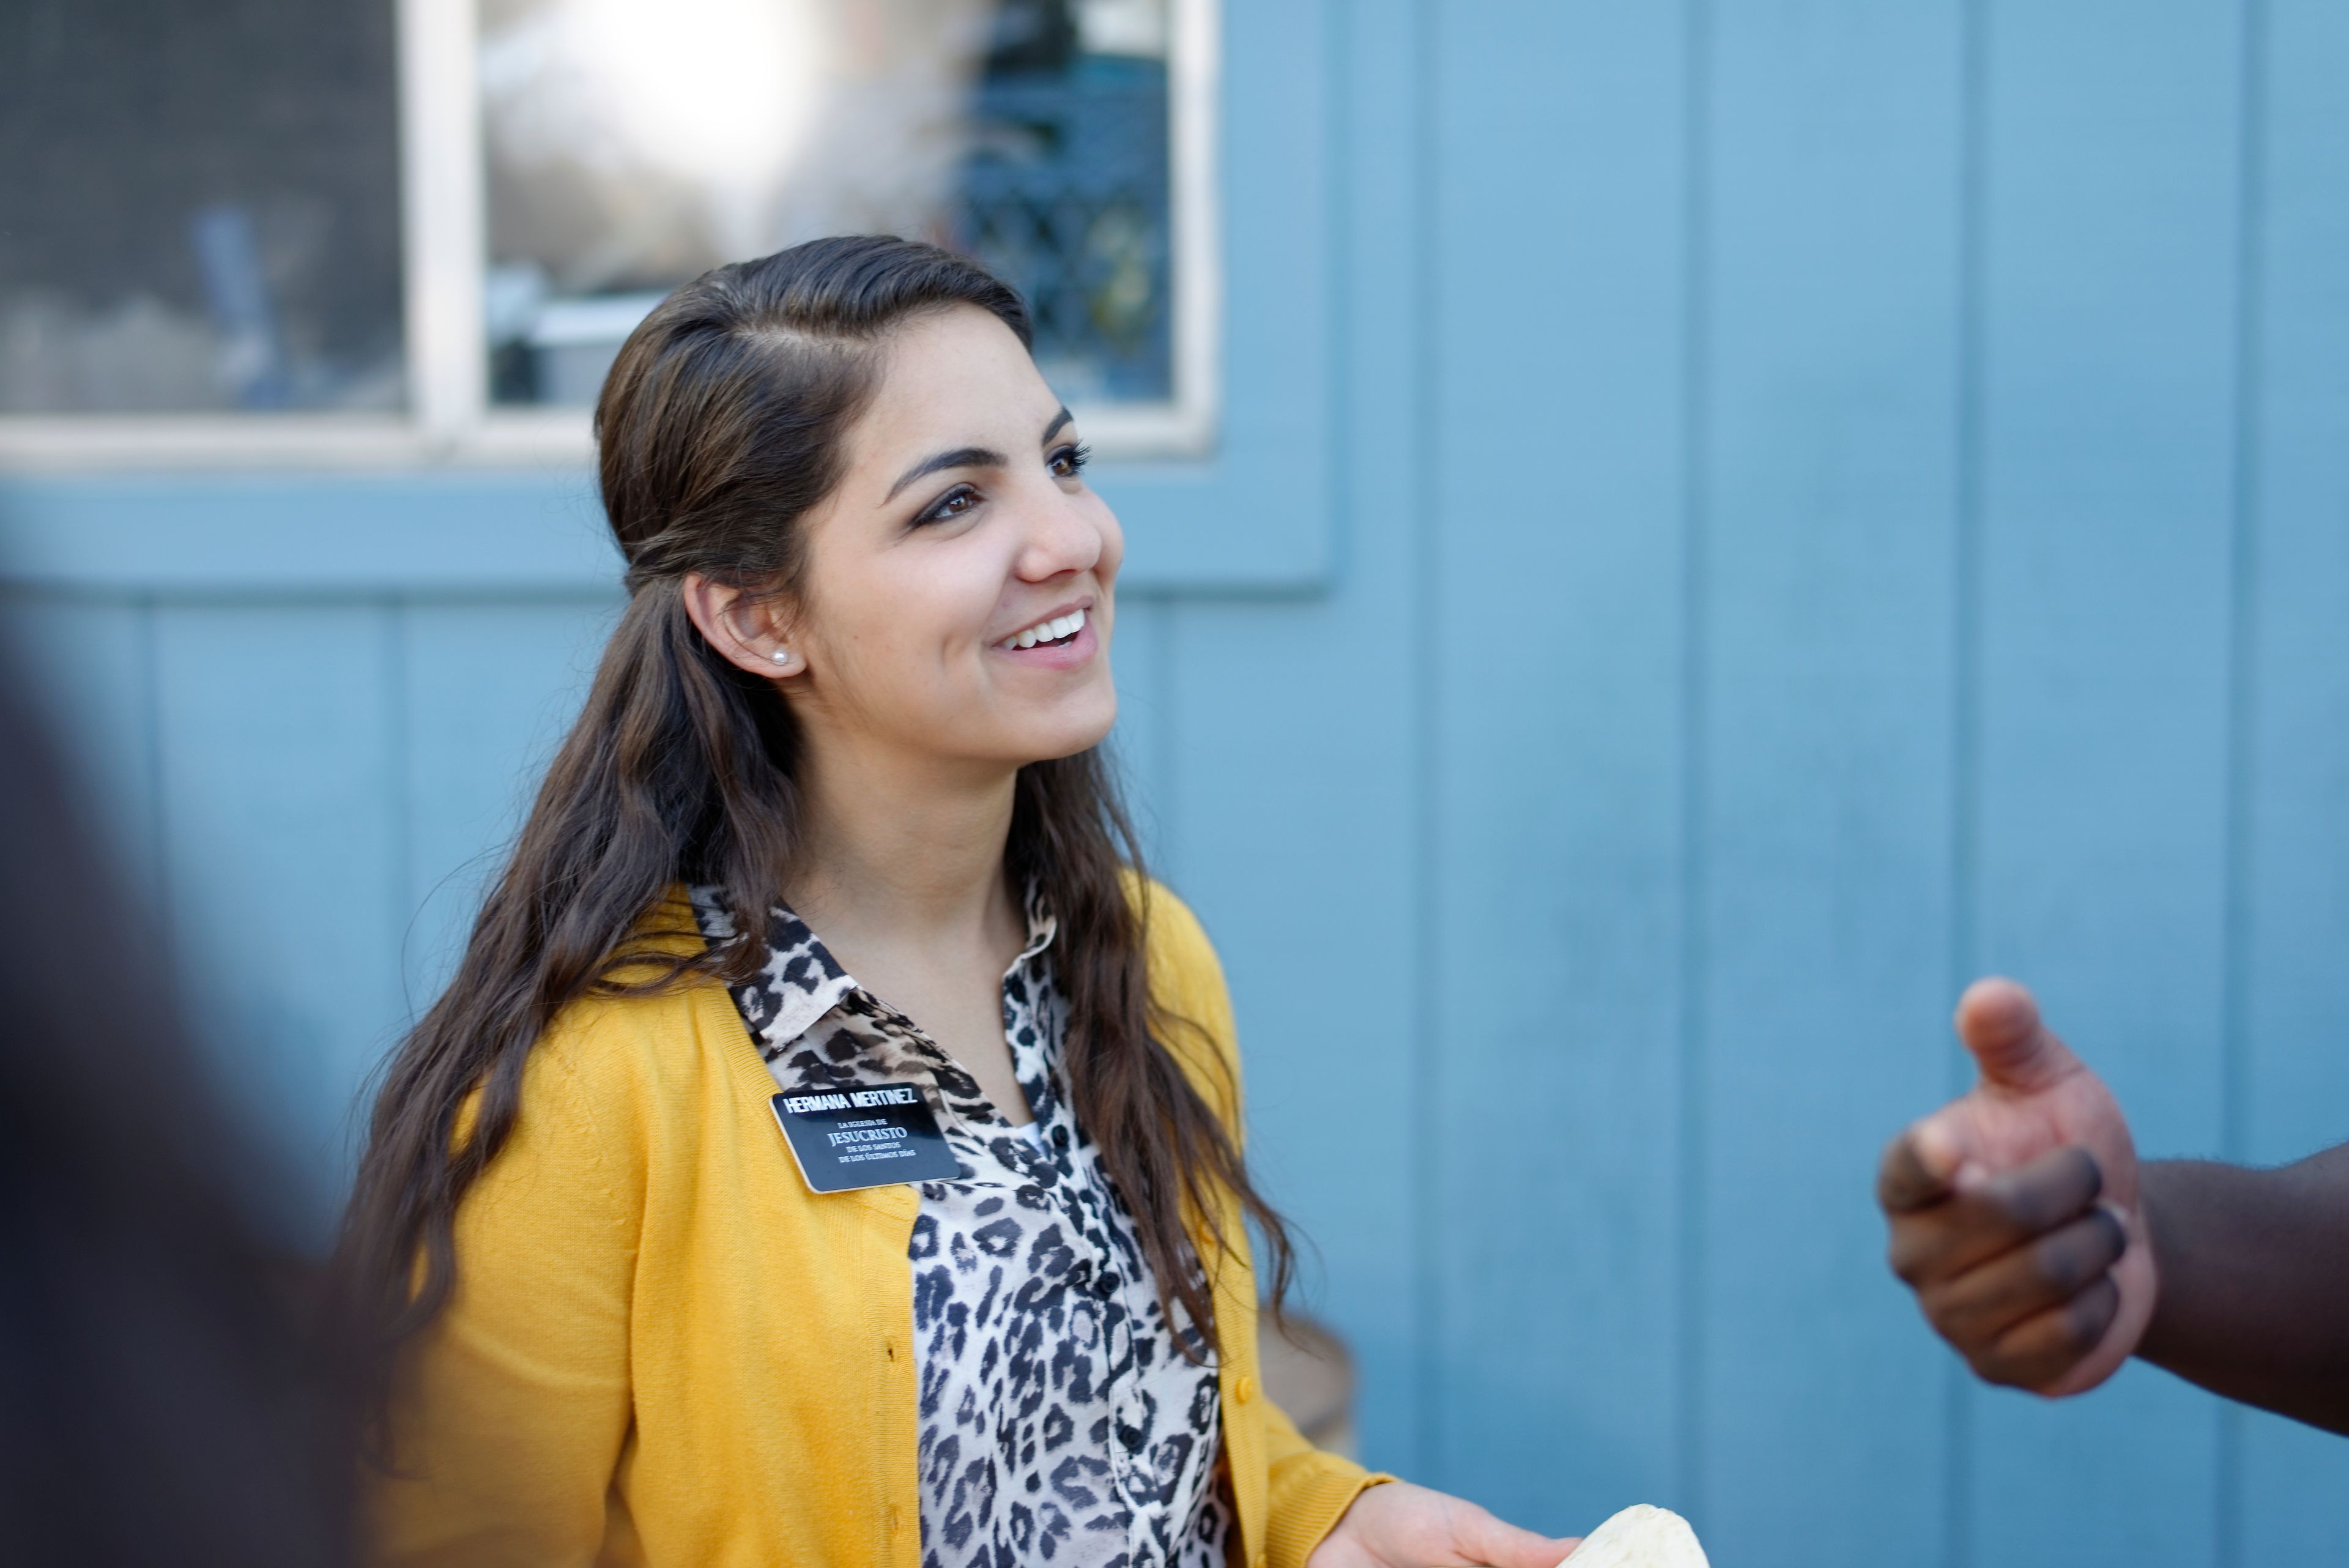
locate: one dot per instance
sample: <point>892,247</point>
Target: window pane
<point>631,146</point>
<point>200,209</point>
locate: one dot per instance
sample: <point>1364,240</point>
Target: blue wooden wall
<point>1735,519</point>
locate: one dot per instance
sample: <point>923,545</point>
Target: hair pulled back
<point>720,428</point>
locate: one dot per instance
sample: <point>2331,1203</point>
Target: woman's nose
<point>1061,536</point>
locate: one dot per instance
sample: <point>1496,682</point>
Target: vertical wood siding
<point>1829,498</point>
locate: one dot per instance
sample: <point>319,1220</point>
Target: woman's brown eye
<point>953,503</point>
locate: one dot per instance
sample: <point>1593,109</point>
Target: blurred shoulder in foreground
<point>160,1399</point>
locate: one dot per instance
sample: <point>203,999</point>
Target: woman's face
<point>958,597</point>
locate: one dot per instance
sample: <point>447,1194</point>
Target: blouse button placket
<point>1060,1169</point>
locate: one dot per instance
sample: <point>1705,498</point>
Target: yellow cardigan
<point>664,1349</point>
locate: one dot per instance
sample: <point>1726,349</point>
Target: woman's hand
<point>1398,1525</point>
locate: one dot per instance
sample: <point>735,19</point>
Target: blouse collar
<point>809,980</point>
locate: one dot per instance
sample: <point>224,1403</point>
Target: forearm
<point>2254,1294</point>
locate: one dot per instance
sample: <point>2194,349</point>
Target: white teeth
<point>1051,631</point>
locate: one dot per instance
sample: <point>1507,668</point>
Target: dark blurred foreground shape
<point>160,1398</point>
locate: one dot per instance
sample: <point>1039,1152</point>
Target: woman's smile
<point>1064,639</point>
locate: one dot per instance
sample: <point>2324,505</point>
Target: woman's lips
<point>1057,626</point>
<point>1068,655</point>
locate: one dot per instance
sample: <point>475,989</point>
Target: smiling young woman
<point>833,831</point>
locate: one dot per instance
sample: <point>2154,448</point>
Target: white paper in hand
<point>1641,1537</point>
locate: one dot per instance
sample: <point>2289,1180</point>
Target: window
<point>201,207</point>
<point>435,219</point>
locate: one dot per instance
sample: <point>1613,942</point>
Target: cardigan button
<point>1245,1389</point>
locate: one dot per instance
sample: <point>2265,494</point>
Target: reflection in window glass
<point>200,207</point>
<point>630,147</point>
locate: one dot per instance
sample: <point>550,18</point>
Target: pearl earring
<point>782,656</point>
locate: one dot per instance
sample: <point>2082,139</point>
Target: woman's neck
<point>894,852</point>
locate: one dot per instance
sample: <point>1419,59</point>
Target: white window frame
<point>450,421</point>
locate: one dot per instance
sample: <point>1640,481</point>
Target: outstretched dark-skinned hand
<point>2015,1211</point>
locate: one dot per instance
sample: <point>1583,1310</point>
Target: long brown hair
<point>720,428</point>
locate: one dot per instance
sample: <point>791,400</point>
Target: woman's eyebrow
<point>960,457</point>
<point>970,457</point>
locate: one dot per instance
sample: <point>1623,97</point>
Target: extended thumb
<point>1999,1023</point>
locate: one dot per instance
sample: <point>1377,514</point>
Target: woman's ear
<point>749,630</point>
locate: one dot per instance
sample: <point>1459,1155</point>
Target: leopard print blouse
<point>1059,1422</point>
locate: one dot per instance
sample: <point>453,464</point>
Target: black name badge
<point>865,1136</point>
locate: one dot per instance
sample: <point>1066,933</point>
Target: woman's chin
<point>1076,741</point>
<point>1066,735</point>
<point>1077,721</point>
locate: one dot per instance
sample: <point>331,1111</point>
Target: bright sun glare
<point>718,91</point>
